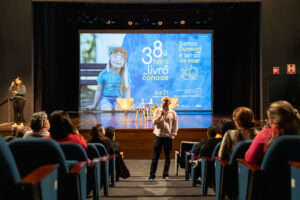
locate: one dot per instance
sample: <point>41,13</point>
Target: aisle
<point>138,187</point>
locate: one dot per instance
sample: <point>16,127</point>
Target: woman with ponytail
<point>243,118</point>
<point>283,119</point>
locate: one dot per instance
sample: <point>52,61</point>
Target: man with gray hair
<point>39,125</point>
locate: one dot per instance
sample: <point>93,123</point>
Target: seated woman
<point>121,167</point>
<point>243,118</point>
<point>98,136</point>
<point>283,119</point>
<point>110,133</point>
<point>209,145</point>
<point>222,127</point>
<point>39,125</point>
<point>62,129</point>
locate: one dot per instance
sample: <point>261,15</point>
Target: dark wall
<point>15,52</point>
<point>280,41</point>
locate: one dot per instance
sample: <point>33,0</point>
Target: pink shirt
<point>257,149</point>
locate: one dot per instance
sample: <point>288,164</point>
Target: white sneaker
<point>167,178</point>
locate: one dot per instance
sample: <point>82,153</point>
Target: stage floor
<point>117,120</point>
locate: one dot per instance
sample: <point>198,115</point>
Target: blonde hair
<point>286,117</point>
<point>122,71</point>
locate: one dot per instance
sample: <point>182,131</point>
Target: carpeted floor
<point>138,187</point>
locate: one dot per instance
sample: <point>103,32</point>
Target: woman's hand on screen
<point>91,107</point>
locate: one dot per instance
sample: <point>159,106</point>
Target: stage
<point>86,120</point>
<point>136,136</point>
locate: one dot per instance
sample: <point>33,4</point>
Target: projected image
<point>146,67</point>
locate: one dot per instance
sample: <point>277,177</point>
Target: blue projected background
<point>159,64</point>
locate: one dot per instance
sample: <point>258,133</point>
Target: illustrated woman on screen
<point>113,82</point>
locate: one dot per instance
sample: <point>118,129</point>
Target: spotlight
<point>159,23</point>
<point>130,23</point>
<point>176,22</point>
<point>182,22</point>
<point>107,22</point>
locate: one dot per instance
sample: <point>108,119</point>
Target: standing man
<point>166,127</point>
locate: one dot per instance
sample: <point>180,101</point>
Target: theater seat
<point>74,151</point>
<point>37,184</point>
<point>34,152</point>
<point>295,180</point>
<point>272,179</point>
<point>226,172</point>
<point>208,170</point>
<point>108,166</point>
<point>180,157</point>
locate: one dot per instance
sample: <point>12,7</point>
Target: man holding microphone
<point>166,127</point>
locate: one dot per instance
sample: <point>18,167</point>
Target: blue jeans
<point>108,103</point>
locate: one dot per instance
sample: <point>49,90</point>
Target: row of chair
<point>72,172</point>
<point>276,178</point>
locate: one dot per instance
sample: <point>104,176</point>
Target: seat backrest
<point>186,146</point>
<point>9,173</point>
<point>34,152</point>
<point>215,152</point>
<point>275,162</point>
<point>74,151</point>
<point>239,151</point>
<point>92,151</point>
<point>101,149</point>
<point>283,149</point>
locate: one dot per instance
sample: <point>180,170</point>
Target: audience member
<point>110,133</point>
<point>243,118</point>
<point>98,136</point>
<point>39,125</point>
<point>121,168</point>
<point>62,129</point>
<point>17,131</point>
<point>209,145</point>
<point>211,133</point>
<point>283,119</point>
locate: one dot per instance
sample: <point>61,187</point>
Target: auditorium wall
<point>280,45</point>
<point>15,52</point>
